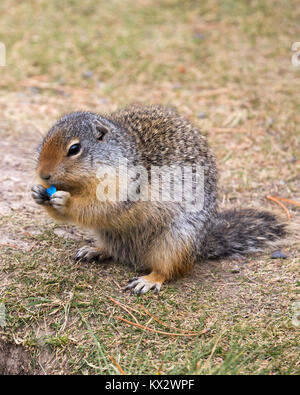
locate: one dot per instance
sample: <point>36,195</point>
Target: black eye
<point>74,149</point>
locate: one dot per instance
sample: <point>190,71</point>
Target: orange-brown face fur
<point>50,157</point>
<point>66,172</point>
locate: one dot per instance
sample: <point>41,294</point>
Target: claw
<point>132,279</point>
<point>131,284</point>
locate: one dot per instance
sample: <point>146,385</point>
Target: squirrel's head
<point>73,148</point>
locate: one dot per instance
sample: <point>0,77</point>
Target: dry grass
<point>225,65</point>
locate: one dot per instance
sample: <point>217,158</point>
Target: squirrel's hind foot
<point>88,254</point>
<point>141,285</point>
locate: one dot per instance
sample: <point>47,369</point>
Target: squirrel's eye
<point>74,149</point>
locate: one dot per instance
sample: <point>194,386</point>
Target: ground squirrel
<point>163,237</point>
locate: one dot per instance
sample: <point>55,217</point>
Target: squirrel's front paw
<point>88,253</point>
<point>39,194</point>
<point>59,200</point>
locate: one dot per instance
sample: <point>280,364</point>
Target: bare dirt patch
<point>14,359</point>
<point>16,162</point>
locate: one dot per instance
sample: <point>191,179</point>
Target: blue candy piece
<point>51,190</point>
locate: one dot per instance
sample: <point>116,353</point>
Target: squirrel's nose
<point>44,176</point>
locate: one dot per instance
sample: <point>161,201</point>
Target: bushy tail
<point>238,232</point>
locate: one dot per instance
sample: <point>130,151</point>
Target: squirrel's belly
<point>124,248</point>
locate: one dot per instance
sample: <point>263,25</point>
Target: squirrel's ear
<point>101,128</point>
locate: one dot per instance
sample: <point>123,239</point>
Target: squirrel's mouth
<point>57,184</point>
<point>61,185</point>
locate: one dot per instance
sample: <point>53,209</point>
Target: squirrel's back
<point>163,137</point>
